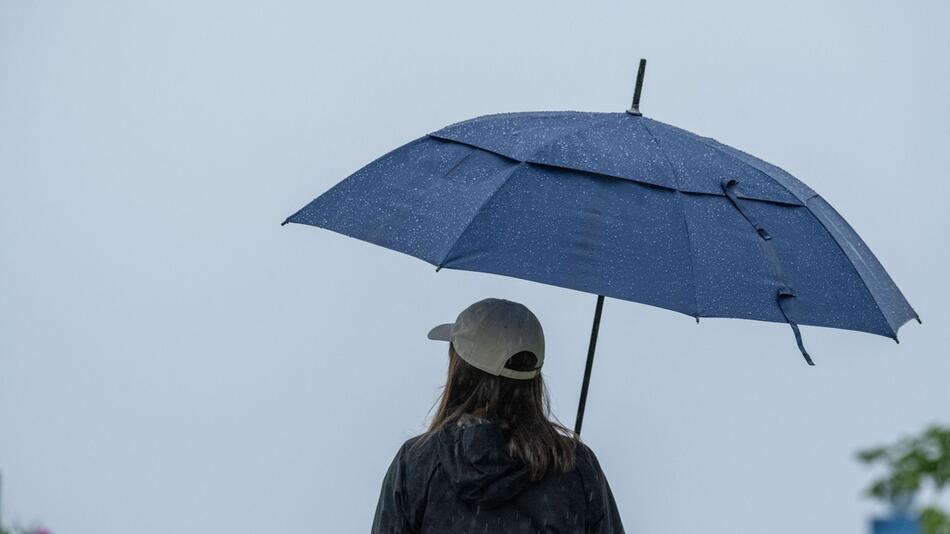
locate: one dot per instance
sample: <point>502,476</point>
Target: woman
<point>492,460</point>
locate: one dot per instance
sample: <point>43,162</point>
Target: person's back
<point>492,460</point>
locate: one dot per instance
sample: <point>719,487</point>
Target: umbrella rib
<point>864,282</point>
<point>488,199</point>
<point>679,202</point>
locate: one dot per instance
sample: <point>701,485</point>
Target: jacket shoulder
<point>418,457</point>
<point>591,474</point>
<point>586,459</point>
<point>416,447</point>
<point>601,504</point>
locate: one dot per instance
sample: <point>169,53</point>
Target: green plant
<point>934,521</point>
<point>911,464</point>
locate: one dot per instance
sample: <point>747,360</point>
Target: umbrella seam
<point>706,141</point>
<point>679,201</point>
<point>562,135</point>
<point>860,276</point>
<point>289,217</point>
<point>488,199</point>
<point>307,205</point>
<point>799,203</point>
<point>518,114</point>
<point>457,163</point>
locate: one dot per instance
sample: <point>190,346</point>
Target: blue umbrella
<point>619,205</point>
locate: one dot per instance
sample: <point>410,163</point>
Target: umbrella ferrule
<point>635,105</point>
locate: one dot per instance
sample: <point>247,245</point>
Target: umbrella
<point>619,205</point>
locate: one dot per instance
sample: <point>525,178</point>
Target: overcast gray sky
<point>171,359</point>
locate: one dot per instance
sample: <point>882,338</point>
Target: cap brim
<point>443,332</point>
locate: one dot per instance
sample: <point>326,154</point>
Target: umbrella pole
<point>582,403</point>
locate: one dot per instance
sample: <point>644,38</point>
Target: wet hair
<point>520,408</point>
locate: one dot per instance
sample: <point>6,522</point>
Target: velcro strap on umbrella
<point>729,187</point>
<point>785,299</point>
<point>786,296</point>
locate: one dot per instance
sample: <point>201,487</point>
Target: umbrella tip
<point>697,318</point>
<point>918,319</point>
<point>285,222</point>
<point>635,106</point>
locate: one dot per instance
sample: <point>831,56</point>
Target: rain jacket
<point>463,481</point>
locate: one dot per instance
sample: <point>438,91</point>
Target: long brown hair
<point>520,408</point>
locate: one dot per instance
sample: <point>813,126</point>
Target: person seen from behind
<point>492,459</point>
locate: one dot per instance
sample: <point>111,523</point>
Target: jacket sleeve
<point>392,514</point>
<point>604,517</point>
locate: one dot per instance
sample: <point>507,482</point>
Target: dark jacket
<point>463,481</point>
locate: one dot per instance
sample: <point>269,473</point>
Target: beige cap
<point>489,332</point>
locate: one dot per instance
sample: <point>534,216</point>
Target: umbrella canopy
<point>621,205</point>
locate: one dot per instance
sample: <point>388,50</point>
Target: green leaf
<point>910,464</point>
<point>871,455</point>
<point>934,521</point>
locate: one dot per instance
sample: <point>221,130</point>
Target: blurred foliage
<point>934,521</point>
<point>24,530</point>
<point>910,464</point>
<point>27,530</point>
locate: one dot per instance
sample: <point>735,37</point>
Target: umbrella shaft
<point>582,403</point>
